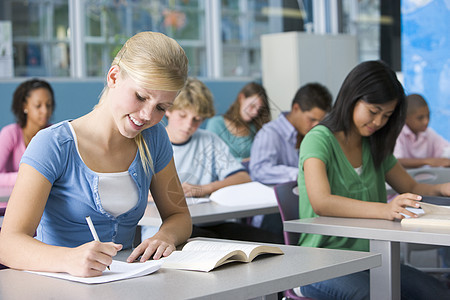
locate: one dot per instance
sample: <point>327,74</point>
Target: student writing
<point>102,165</point>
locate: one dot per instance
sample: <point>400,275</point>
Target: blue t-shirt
<point>74,193</point>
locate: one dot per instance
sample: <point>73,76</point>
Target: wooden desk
<point>211,212</point>
<point>385,237</point>
<point>264,276</point>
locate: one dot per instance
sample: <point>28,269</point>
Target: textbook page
<point>433,209</point>
<point>249,193</point>
<point>207,255</point>
<point>218,246</point>
<point>119,270</point>
<point>248,249</point>
<point>434,215</point>
<point>203,261</point>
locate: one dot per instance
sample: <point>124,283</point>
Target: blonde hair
<point>195,95</point>
<point>155,62</point>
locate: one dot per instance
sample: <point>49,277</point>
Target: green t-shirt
<point>344,181</point>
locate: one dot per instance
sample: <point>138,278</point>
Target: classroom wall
<point>77,97</point>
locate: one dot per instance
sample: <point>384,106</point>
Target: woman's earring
<point>25,111</point>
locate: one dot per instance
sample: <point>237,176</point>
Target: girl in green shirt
<point>344,164</point>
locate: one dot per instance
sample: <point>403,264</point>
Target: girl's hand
<point>151,246</point>
<point>438,162</point>
<point>91,259</point>
<point>398,205</point>
<point>191,190</point>
<point>444,189</point>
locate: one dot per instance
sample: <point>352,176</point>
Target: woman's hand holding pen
<point>398,205</point>
<point>90,259</point>
<point>154,247</point>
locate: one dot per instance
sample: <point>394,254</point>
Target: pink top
<point>425,145</point>
<point>12,147</point>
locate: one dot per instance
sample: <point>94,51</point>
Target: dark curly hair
<point>21,95</point>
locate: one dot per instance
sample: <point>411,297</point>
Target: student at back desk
<point>419,145</point>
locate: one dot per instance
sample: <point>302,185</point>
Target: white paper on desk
<point>119,270</point>
<point>417,211</point>
<point>249,193</point>
<point>192,200</point>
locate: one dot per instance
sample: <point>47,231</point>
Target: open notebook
<point>250,193</point>
<point>119,270</point>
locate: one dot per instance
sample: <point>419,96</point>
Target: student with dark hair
<point>344,164</point>
<point>419,145</point>
<point>239,125</point>
<point>274,153</point>
<point>33,105</point>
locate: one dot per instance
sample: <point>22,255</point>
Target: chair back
<point>430,175</point>
<point>287,198</point>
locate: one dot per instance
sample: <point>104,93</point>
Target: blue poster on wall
<point>426,57</point>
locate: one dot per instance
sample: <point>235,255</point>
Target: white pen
<point>93,231</point>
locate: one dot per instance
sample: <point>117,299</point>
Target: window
<point>221,37</point>
<point>108,24</point>
<point>40,37</point>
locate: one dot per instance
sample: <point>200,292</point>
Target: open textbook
<point>119,270</point>
<point>436,212</point>
<point>207,255</point>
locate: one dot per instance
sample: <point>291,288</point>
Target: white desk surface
<point>264,276</point>
<point>385,237</point>
<point>371,229</point>
<point>211,212</point>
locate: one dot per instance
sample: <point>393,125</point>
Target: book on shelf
<point>198,255</point>
<point>436,212</point>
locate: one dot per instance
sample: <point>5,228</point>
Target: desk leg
<point>385,280</point>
